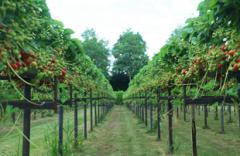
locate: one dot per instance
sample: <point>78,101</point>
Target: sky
<point>155,20</point>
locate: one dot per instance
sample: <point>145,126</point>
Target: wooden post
<point>151,119</point>
<point>75,120</point>
<point>170,115</point>
<point>184,99</point>
<point>146,109</point>
<point>26,122</point>
<point>205,117</point>
<point>95,112</point>
<point>91,112</point>
<point>222,118</point>
<point>98,111</point>
<point>194,132</point>
<point>229,113</point>
<point>199,110</point>
<point>158,115</point>
<point>238,92</point>
<point>85,117</point>
<point>216,113</point>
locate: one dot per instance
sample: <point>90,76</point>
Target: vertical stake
<point>170,114</point>
<point>75,120</point>
<point>158,114</point>
<point>194,132</point>
<point>91,112</point>
<point>85,115</point>
<point>146,109</point>
<point>60,128</point>
<point>26,122</point>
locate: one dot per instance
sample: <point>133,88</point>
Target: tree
<point>130,54</point>
<point>119,81</point>
<point>97,50</point>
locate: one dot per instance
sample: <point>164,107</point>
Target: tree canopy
<point>97,50</point>
<point>129,53</point>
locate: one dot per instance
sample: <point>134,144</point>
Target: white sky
<point>153,19</point>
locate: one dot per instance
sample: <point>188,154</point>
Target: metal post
<point>146,109</point>
<point>91,112</point>
<point>26,123</point>
<point>95,112</point>
<point>85,117</point>
<point>194,132</point>
<point>170,128</point>
<point>75,120</point>
<point>158,115</point>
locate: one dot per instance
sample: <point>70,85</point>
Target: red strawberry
<point>235,67</point>
<point>226,53</point>
<point>14,66</point>
<point>232,52</point>
<point>25,55</point>
<point>223,47</point>
<point>184,71</point>
<point>237,60</point>
<point>27,62</point>
<point>64,72</point>
<point>220,66</point>
<point>18,64</point>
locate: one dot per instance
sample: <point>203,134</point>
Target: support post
<point>170,115</point>
<point>75,120</point>
<point>26,122</point>
<point>194,132</point>
<point>85,117</point>
<point>91,112</point>
<point>205,117</point>
<point>146,109</point>
<point>158,115</point>
<point>184,98</point>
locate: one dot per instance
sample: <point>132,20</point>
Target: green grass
<point>122,134</point>
<point>209,141</point>
<point>11,136</point>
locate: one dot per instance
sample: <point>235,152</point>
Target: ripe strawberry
<point>235,67</point>
<point>26,55</point>
<point>232,52</point>
<point>64,72</point>
<point>26,62</point>
<point>223,47</point>
<point>18,64</point>
<point>226,53</point>
<point>14,66</point>
<point>237,60</point>
<point>220,65</point>
<point>184,71</point>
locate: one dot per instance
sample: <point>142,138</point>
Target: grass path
<point>121,135</point>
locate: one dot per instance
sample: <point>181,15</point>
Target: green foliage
<point>97,50</point>
<point>119,97</point>
<point>130,54</point>
<point>31,42</point>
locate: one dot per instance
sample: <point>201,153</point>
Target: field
<point>122,134</point>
